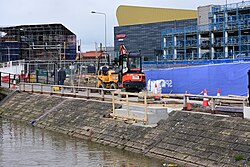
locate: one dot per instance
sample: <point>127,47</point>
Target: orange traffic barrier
<point>205,100</point>
<point>188,105</point>
<point>155,91</point>
<point>14,84</point>
<point>218,92</point>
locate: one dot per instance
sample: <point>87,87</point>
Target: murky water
<point>25,146</point>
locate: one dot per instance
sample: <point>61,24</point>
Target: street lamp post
<point>105,27</point>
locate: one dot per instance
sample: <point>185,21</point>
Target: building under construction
<point>212,32</point>
<point>222,32</point>
<point>37,42</point>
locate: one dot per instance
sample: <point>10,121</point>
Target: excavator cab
<point>131,76</point>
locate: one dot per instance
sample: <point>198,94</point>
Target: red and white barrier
<point>205,100</point>
<point>188,104</point>
<point>218,92</point>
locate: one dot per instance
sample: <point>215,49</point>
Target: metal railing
<point>70,91</point>
<point>242,100</point>
<point>130,99</point>
<point>8,79</point>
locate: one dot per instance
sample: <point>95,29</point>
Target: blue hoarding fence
<point>231,78</point>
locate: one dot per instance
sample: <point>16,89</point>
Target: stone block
<point>170,153</point>
<point>120,146</point>
<point>113,144</point>
<point>214,157</point>
<point>106,143</point>
<point>246,112</point>
<point>171,147</point>
<point>128,149</point>
<point>180,156</point>
<point>138,146</point>
<point>129,144</point>
<point>188,164</point>
<point>192,158</point>
<point>155,114</point>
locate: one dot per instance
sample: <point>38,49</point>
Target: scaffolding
<point>33,42</point>
<point>226,36</point>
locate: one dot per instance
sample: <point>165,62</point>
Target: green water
<point>26,146</point>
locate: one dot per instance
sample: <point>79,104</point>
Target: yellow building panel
<point>130,15</point>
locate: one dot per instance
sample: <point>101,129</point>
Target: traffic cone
<point>218,92</point>
<point>14,84</point>
<point>156,92</point>
<point>188,105</point>
<point>205,100</point>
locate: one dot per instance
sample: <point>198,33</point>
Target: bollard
<point>87,90</point>
<point>9,80</point>
<point>14,82</point>
<point>205,100</point>
<point>47,77</point>
<point>41,89</point>
<point>187,103</point>
<point>102,95</point>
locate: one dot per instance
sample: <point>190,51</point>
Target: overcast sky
<point>76,14</point>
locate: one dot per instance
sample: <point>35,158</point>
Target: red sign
<point>119,36</point>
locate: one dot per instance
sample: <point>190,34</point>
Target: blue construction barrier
<point>231,78</point>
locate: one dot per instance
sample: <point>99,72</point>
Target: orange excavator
<point>131,77</point>
<point>128,75</point>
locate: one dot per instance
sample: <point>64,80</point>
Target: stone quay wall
<point>185,138</point>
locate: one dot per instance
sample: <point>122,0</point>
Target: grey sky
<point>76,14</point>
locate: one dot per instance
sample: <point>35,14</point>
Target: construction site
<point>51,42</point>
<point>175,92</point>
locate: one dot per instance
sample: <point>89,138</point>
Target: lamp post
<point>104,27</point>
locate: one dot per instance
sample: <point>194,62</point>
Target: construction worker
<point>61,76</point>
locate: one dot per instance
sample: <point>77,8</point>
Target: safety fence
<point>77,72</point>
<point>10,80</point>
<point>135,102</point>
<point>212,102</point>
<point>128,100</point>
<point>70,91</point>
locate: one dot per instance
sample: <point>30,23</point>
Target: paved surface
<point>235,109</point>
<point>187,138</point>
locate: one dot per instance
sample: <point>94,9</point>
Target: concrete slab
<point>246,112</point>
<point>154,114</point>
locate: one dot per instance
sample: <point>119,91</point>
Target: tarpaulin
<point>230,78</point>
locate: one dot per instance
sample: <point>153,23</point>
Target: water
<point>25,146</point>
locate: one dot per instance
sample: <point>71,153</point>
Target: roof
<point>42,27</point>
<point>91,55</point>
<point>130,15</point>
